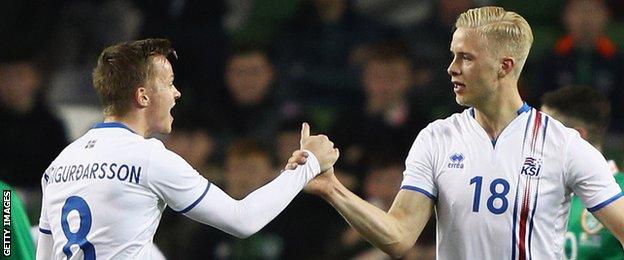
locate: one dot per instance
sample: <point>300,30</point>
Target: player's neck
<point>495,116</point>
<point>136,123</point>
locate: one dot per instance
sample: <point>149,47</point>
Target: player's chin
<point>165,130</point>
<point>464,101</point>
<point>167,125</point>
<point>170,124</point>
<point>460,99</point>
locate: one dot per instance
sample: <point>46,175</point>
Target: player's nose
<point>176,93</point>
<point>453,68</point>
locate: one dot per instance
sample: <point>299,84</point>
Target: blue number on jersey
<point>477,196</point>
<point>494,195</point>
<point>80,237</point>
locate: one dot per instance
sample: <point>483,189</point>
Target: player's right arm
<point>395,231</point>
<point>187,192</point>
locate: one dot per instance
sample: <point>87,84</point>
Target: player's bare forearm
<point>394,232</point>
<point>612,217</point>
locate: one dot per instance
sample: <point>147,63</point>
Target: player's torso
<point>587,238</point>
<point>98,200</point>
<point>502,201</point>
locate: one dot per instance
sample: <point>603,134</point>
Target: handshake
<point>319,145</point>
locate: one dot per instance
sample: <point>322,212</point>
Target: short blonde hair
<point>509,32</point>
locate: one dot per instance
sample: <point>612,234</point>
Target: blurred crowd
<point>368,73</point>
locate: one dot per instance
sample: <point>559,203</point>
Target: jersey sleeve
<point>44,224</point>
<point>419,171</point>
<point>173,180</point>
<point>589,176</point>
<point>247,216</point>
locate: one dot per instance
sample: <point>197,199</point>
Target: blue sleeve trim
<point>190,207</point>
<point>407,187</point>
<point>605,203</point>
<point>45,231</point>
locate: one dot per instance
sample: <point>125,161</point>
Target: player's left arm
<point>590,178</point>
<point>185,191</point>
<point>612,217</point>
<point>242,218</point>
<point>44,246</point>
<point>45,241</point>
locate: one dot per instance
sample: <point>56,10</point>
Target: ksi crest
<point>531,166</point>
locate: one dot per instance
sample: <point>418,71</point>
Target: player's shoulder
<point>446,126</point>
<point>555,129</point>
<point>160,153</point>
<point>164,163</point>
<point>154,143</point>
<point>68,151</point>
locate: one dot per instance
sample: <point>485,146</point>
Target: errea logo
<point>457,161</point>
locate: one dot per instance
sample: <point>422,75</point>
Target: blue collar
<point>112,125</point>
<point>524,108</point>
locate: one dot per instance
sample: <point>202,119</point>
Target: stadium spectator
<point>389,111</point>
<point>317,55</point>
<point>250,98</point>
<point>586,56</point>
<point>24,115</point>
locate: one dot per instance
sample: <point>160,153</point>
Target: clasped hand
<point>319,145</point>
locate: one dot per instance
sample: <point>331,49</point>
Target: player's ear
<point>141,97</point>
<point>506,67</point>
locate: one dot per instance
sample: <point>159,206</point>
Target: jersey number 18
<point>477,181</point>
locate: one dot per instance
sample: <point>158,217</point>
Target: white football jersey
<point>509,198</point>
<point>104,194</point>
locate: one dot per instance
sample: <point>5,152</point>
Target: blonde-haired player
<point>499,175</point>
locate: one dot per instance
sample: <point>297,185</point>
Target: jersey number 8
<point>79,237</point>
